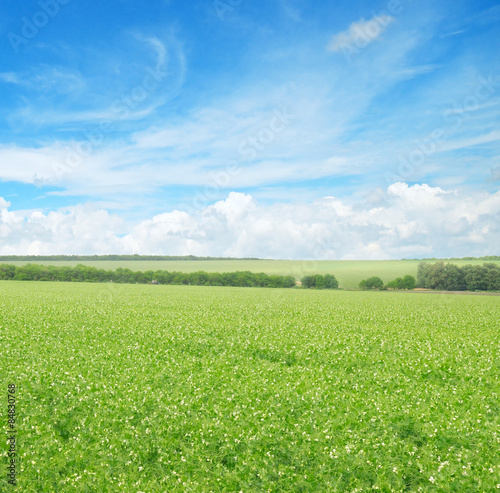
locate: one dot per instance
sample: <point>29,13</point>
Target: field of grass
<point>348,272</point>
<point>140,388</point>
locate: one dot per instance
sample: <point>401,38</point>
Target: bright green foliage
<point>348,272</point>
<point>406,282</point>
<point>84,273</point>
<point>372,283</point>
<point>451,277</point>
<point>396,284</point>
<point>137,388</point>
<point>409,282</point>
<point>318,281</point>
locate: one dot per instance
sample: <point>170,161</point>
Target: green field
<point>137,388</point>
<point>348,272</point>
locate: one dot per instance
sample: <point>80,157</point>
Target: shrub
<point>374,283</point>
<point>409,282</point>
<point>328,281</point>
<point>406,282</point>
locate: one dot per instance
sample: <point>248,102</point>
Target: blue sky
<point>206,127</point>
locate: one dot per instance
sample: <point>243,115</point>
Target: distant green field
<point>348,272</point>
<point>140,388</point>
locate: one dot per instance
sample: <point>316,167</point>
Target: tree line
<point>443,277</point>
<point>487,258</point>
<point>451,277</point>
<point>318,281</point>
<point>85,273</point>
<point>406,282</point>
<point>438,276</point>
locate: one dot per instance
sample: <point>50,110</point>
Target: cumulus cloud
<point>72,230</point>
<point>360,33</point>
<point>4,203</point>
<point>404,221</point>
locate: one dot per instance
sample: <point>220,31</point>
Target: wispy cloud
<point>63,96</point>
<point>469,142</point>
<point>488,16</point>
<point>454,33</point>
<point>360,33</point>
<point>44,78</point>
<point>411,72</point>
<point>291,10</point>
<point>10,77</point>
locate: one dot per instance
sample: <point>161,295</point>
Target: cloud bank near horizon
<point>401,221</point>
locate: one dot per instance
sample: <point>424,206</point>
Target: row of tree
<point>451,277</point>
<point>406,282</point>
<point>320,282</point>
<point>487,258</point>
<point>439,276</point>
<point>443,277</point>
<point>85,273</point>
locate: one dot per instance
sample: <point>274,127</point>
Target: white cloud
<point>406,221</point>
<point>360,33</point>
<point>334,132</point>
<point>411,72</point>
<point>493,136</point>
<point>43,79</point>
<point>76,229</point>
<point>4,204</point>
<point>421,196</point>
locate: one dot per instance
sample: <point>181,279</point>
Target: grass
<point>348,272</point>
<point>192,389</point>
